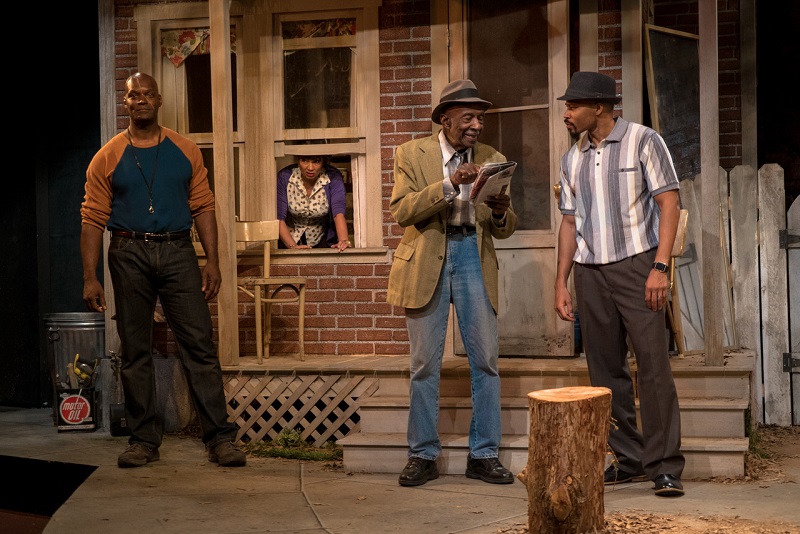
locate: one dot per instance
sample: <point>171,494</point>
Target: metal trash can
<point>69,334</point>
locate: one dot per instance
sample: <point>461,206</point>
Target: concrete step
<point>387,452</point>
<point>700,417</point>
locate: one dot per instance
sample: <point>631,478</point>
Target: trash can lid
<point>74,318</point>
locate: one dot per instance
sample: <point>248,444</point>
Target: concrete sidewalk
<point>183,492</point>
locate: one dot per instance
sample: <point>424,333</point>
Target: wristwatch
<point>660,266</point>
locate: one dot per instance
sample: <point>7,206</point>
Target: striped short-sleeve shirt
<point>610,189</point>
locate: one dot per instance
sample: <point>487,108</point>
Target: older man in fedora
<point>620,206</point>
<point>447,255</point>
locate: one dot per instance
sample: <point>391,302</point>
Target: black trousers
<point>142,272</point>
<point>611,306</point>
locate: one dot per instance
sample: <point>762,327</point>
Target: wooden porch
<point>361,402</point>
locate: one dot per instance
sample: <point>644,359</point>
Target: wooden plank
<point>368,191</point>
<point>709,174</point>
<point>688,272</point>
<point>726,285</point>
<point>587,33</point>
<point>258,201</point>
<point>793,258</point>
<point>632,75</point>
<point>744,265</point>
<point>744,254</point>
<point>222,120</point>
<point>560,141</point>
<point>108,129</point>
<point>774,302</point>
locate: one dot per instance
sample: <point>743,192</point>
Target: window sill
<point>309,256</point>
<point>315,255</point>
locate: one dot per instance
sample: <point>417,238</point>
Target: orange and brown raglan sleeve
<point>96,206</point>
<point>201,198</point>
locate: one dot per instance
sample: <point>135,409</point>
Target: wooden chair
<point>267,290</point>
<point>673,303</point>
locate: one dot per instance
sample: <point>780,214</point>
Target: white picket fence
<point>760,283</point>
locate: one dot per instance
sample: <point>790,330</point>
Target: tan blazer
<point>418,205</point>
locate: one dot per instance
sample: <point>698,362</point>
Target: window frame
<point>361,140</point>
<point>258,48</point>
<point>172,82</point>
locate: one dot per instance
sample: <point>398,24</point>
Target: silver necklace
<point>139,165</point>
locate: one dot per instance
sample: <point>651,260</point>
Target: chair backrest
<point>265,232</point>
<point>680,236</point>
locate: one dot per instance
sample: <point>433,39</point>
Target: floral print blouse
<point>307,214</point>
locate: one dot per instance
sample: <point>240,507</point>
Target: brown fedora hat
<point>457,92</point>
<point>591,86</point>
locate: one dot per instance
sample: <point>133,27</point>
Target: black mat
<point>39,487</point>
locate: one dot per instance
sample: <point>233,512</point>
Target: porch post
<point>709,183</point>
<point>222,106</point>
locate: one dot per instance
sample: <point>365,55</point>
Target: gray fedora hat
<point>591,86</point>
<point>458,92</point>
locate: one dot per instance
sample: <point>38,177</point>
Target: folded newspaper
<point>493,179</point>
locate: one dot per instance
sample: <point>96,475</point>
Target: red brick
<point>373,335</point>
<point>393,348</point>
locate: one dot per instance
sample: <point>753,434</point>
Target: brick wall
<point>609,40</point>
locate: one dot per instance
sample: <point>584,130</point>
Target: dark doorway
<point>778,77</point>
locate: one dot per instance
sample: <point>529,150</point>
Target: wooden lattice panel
<point>322,408</point>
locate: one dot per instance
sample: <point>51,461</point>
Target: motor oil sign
<point>76,409</point>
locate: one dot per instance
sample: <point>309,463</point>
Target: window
<point>179,50</point>
<point>308,74</point>
<point>326,65</point>
<point>317,81</point>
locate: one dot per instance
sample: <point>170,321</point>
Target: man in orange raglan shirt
<point>148,185</point>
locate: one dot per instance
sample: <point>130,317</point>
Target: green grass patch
<point>290,444</point>
<point>755,445</point>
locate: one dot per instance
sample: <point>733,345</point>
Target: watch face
<point>661,267</point>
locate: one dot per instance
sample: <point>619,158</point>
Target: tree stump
<point>566,456</point>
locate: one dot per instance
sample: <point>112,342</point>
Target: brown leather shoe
<point>227,455</point>
<point>138,454</point>
<point>418,471</point>
<point>489,470</point>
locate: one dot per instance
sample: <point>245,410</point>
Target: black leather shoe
<point>489,470</point>
<point>614,476</point>
<point>668,486</point>
<point>418,471</point>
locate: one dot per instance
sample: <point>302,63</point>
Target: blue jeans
<point>141,273</point>
<point>461,283</point>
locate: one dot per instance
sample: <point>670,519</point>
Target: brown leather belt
<point>459,230</point>
<point>151,236</point>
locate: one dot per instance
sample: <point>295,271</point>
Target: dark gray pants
<point>611,306</point>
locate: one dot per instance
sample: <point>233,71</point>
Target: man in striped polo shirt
<point>620,204</point>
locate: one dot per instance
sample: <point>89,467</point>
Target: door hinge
<point>788,240</point>
<point>789,363</point>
